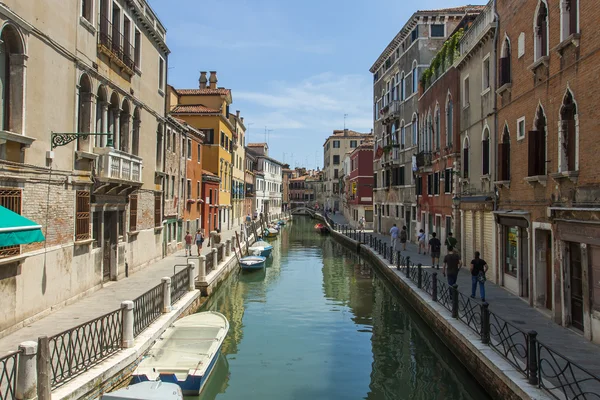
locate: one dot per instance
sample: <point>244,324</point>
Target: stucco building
<point>396,75</point>
<point>249,180</point>
<point>268,180</point>
<point>547,232</point>
<point>360,185</point>
<point>238,192</point>
<point>95,196</point>
<point>287,176</point>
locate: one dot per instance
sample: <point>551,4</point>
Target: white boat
<point>156,390</point>
<point>271,232</point>
<point>252,263</point>
<point>186,352</point>
<point>261,248</point>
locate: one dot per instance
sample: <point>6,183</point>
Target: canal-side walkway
<point>101,301</point>
<point>513,309</point>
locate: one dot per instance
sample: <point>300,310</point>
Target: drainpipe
<point>494,52</point>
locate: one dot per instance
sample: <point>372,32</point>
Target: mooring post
<point>127,323</point>
<point>44,372</point>
<point>532,357</point>
<point>166,281</point>
<point>202,269</point>
<point>27,380</point>
<point>485,323</point>
<point>191,271</point>
<point>398,260</point>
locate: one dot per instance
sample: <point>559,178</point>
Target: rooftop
<point>203,92</point>
<point>194,109</point>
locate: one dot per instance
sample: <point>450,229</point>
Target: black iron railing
<point>8,375</point>
<point>509,341</point>
<point>147,308</point>
<point>469,312</point>
<point>209,263</point>
<point>113,40</point>
<point>76,350</point>
<point>423,159</point>
<point>180,283</point>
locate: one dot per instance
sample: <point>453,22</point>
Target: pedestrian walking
<point>452,264</point>
<point>403,237</point>
<point>421,241</point>
<point>434,248</point>
<point>394,235</point>
<point>361,224</point>
<point>248,218</point>
<point>188,244</point>
<point>451,242</point>
<point>199,240</point>
<point>478,269</point>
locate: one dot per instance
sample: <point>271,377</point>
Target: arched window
<point>135,140</point>
<point>429,133</point>
<point>449,121</point>
<point>402,135</point>
<point>465,159</point>
<point>84,112</point>
<point>415,77</point>
<point>124,128</point>
<point>438,134</point>
<point>402,87</point>
<point>568,135</point>
<point>415,124</point>
<point>505,62</point>
<point>12,74</point>
<point>541,30</point>
<point>394,88</point>
<point>113,119</point>
<point>537,145</point>
<point>504,156</point>
<point>485,152</point>
<point>569,18</point>
<point>159,147</point>
<point>101,116</point>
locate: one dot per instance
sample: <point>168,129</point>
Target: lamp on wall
<point>456,201</point>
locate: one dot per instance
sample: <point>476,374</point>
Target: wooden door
<point>106,248</point>
<point>576,285</point>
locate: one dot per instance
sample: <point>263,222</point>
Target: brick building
<point>297,191</point>
<point>547,233</point>
<point>360,185</point>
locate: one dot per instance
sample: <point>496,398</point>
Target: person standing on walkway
<point>188,244</point>
<point>451,242</point>
<point>421,240</point>
<point>248,218</point>
<point>478,269</point>
<point>199,240</point>
<point>403,237</point>
<point>361,224</point>
<point>434,248</point>
<point>452,264</point>
<point>394,234</point>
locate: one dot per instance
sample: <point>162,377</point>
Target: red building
<point>210,206</point>
<point>360,185</point>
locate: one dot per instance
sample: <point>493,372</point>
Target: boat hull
<point>252,263</point>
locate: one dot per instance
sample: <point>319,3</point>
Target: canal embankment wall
<point>498,377</point>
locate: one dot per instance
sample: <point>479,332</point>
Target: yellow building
<point>238,192</point>
<point>207,109</point>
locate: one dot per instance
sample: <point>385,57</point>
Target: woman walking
<point>199,240</point>
<point>421,240</point>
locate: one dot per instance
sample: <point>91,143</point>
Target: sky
<point>295,67</point>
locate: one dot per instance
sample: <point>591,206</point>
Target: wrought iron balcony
<point>116,164</point>
<point>391,110</point>
<point>116,46</point>
<point>424,159</point>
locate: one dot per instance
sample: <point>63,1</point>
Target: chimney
<point>242,119</point>
<point>203,80</point>
<point>345,131</point>
<point>213,80</point>
<point>237,113</point>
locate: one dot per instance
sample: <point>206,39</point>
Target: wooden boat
<point>261,248</point>
<point>270,232</point>
<point>252,263</point>
<point>281,222</point>
<point>321,228</point>
<point>155,390</point>
<point>186,352</point>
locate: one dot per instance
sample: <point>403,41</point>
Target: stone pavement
<point>517,311</point>
<point>102,301</point>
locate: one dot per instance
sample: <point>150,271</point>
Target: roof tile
<point>204,92</point>
<point>194,109</point>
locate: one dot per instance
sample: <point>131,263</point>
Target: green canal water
<point>318,323</point>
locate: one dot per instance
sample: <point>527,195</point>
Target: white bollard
<point>202,269</point>
<point>228,247</point>
<point>222,250</point>
<point>27,371</point>
<point>127,324</point>
<point>191,270</point>
<point>215,260</point>
<point>166,281</point>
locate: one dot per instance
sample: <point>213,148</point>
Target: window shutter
<point>465,162</point>
<point>157,210</point>
<point>504,70</point>
<point>572,6</point>
<point>571,144</point>
<point>486,156</point>
<point>533,159</point>
<point>82,225</point>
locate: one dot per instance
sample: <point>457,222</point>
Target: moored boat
<point>251,263</point>
<point>321,228</point>
<point>155,390</point>
<point>270,232</point>
<point>261,248</point>
<point>186,352</point>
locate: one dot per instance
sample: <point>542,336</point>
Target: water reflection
<point>317,323</point>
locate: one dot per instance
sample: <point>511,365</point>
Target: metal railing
<point>78,349</point>
<point>209,263</point>
<point>180,282</point>
<point>147,308</point>
<point>112,39</point>
<point>8,375</point>
<point>423,159</point>
<point>544,367</point>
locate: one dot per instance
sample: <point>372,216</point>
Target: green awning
<point>16,229</point>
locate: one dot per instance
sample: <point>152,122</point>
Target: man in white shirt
<point>394,234</point>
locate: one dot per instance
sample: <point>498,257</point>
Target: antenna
<point>268,131</point>
<point>345,115</point>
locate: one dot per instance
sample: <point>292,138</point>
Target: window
<point>222,143</point>
<point>11,199</point>
<point>505,63</point>
<point>189,189</point>
<point>485,152</point>
<point>86,9</point>
<point>437,129</point>
<point>449,121</point>
<point>189,149</point>
<point>397,211</point>
<point>436,183</point>
<point>336,144</point>
<point>198,196</point>
<point>166,189</point>
<point>387,208</point>
<point>96,229</point>
<point>569,15</point>
<point>437,30</point>
<point>375,180</point>
<point>568,135</point>
<point>415,130</point>
<point>466,92</point>
<point>419,188</point>
<point>82,215</point>
<point>402,87</point>
<point>401,174</point>
<point>137,55</point>
<point>541,31</point>
<point>415,78</point>
<point>402,136</point>
<point>336,160</point>
<point>157,210</point>
<point>485,73</point>
<point>537,146</point>
<point>465,159</point>
<point>161,74</point>
<point>11,77</point>
<point>521,128</point>
<point>430,184</point>
<point>199,150</point>
<point>133,207</point>
<point>414,35</point>
<point>335,173</point>
<point>173,186</point>
<point>168,140</point>
<point>448,180</point>
<point>121,227</point>
<point>504,156</point>
<point>353,144</point>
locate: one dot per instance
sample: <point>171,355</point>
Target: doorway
<point>109,248</point>
<point>407,224</point>
<point>549,297</point>
<point>379,211</point>
<point>576,285</point>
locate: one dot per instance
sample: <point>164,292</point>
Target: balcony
<point>424,159</point>
<point>484,24</point>
<point>393,156</point>
<point>116,46</point>
<point>391,111</point>
<point>117,171</point>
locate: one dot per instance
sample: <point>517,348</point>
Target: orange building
<point>192,196</point>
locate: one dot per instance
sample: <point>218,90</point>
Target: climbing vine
<point>443,59</point>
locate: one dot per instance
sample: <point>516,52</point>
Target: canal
<point>319,323</point>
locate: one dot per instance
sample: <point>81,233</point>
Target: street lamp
<point>456,201</point>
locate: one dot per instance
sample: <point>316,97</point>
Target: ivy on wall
<point>443,59</point>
